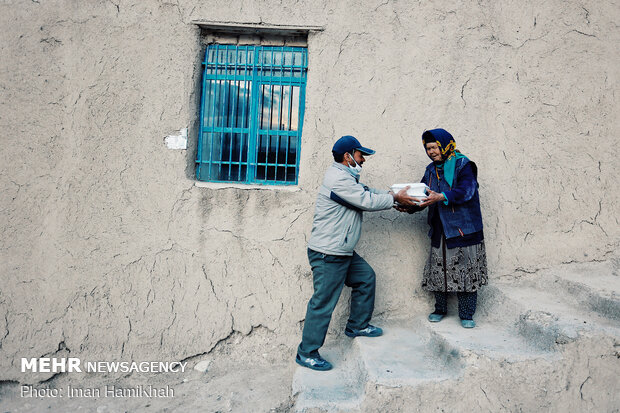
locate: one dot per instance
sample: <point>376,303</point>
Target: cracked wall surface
<point>110,251</point>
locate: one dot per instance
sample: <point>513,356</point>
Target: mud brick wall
<point>108,247</point>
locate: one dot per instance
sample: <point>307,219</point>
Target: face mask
<point>355,170</point>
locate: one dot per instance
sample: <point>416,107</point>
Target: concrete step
<point>406,356</point>
<point>339,389</point>
<point>553,328</point>
<point>549,318</point>
<point>411,356</point>
<point>595,286</point>
<point>492,341</point>
<point>402,357</point>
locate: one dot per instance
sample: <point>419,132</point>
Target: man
<point>335,231</point>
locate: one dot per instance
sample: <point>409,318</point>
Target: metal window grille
<point>252,111</point>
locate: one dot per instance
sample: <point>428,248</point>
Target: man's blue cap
<point>347,144</point>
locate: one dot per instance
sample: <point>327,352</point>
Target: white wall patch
<point>177,141</point>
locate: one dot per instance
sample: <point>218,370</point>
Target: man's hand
<point>403,199</point>
<point>432,198</point>
<point>408,209</point>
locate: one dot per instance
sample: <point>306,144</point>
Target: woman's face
<point>433,151</point>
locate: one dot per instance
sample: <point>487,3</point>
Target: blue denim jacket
<point>461,215</point>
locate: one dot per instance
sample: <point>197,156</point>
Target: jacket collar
<point>345,169</point>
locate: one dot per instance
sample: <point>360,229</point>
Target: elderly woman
<point>457,260</point>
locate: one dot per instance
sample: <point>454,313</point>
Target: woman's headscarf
<point>447,146</point>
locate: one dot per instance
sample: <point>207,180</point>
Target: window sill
<point>225,185</point>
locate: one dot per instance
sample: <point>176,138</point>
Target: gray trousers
<point>330,274</point>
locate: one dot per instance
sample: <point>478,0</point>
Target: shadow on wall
<point>194,98</point>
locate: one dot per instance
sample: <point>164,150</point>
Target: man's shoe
<point>435,318</point>
<point>468,323</point>
<point>370,331</point>
<point>314,363</point>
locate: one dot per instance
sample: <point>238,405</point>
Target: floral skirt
<point>465,269</point>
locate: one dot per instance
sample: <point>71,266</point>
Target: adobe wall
<point>109,250</point>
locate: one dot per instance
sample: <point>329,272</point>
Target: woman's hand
<point>432,198</point>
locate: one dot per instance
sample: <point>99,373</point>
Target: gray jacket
<point>341,200</point>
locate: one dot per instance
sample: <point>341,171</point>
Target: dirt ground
<point>227,386</point>
<point>241,377</point>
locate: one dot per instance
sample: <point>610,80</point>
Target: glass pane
<point>234,97</point>
<point>272,148</point>
<point>260,172</point>
<point>277,58</point>
<point>244,148</point>
<point>225,147</point>
<point>227,103</point>
<point>261,156</point>
<point>265,106</point>
<point>206,144</point>
<point>236,147</point>
<point>282,151</point>
<point>266,61</point>
<point>232,107</point>
<point>292,150</point>
<point>207,102</point>
<point>222,103</point>
<point>290,174</point>
<point>286,103</point>
<point>211,55</point>
<point>234,101</point>
<point>214,172</point>
<point>277,62</point>
<point>276,111</point>
<point>238,172</point>
<point>232,172</point>
<point>217,99</point>
<point>280,173</point>
<point>241,104</point>
<point>235,173</point>
<point>210,102</point>
<point>216,146</point>
<point>241,53</point>
<point>294,108</point>
<point>230,100</point>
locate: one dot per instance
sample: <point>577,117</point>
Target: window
<point>252,111</point>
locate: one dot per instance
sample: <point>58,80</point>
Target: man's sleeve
<point>362,197</point>
<point>377,191</point>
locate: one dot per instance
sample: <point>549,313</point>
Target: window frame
<point>261,74</point>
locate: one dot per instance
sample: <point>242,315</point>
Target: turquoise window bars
<point>251,114</point>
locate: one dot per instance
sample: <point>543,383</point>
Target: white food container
<point>417,190</point>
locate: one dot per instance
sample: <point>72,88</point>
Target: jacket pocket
<point>335,258</point>
<point>345,237</point>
